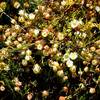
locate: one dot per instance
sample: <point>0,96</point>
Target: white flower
<point>23,52</point>
<point>97,8</point>
<point>39,46</point>
<point>60,73</point>
<point>24,62</point>
<point>80,72</point>
<point>8,42</point>
<point>84,35</point>
<point>69,63</point>
<point>60,36</point>
<point>6,68</point>
<point>75,23</point>
<point>16,88</point>
<point>31,16</point>
<point>19,46</point>
<point>26,15</point>
<point>21,12</point>
<point>36,32</point>
<point>77,33</point>
<point>27,58</point>
<point>45,33</point>
<point>65,56</point>
<point>13,21</point>
<point>92,90</point>
<point>2,88</point>
<point>63,3</point>
<point>80,21</point>
<point>81,85</point>
<point>29,96</point>
<point>17,27</point>
<point>16,5</point>
<point>73,55</point>
<point>55,68</point>
<point>20,39</point>
<point>36,69</point>
<point>55,63</point>
<point>45,93</point>
<point>86,69</point>
<point>14,34</point>
<point>36,11</point>
<point>73,69</point>
<point>28,52</point>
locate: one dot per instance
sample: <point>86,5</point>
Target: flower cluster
<point>50,49</point>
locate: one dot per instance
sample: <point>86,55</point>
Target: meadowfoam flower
<point>6,68</point>
<point>66,55</point>
<point>31,16</point>
<point>24,62</point>
<point>36,69</point>
<point>84,35</point>
<point>97,8</point>
<point>28,52</point>
<point>73,55</point>
<point>73,69</point>
<point>8,42</point>
<point>77,33</point>
<point>45,32</point>
<point>92,90</point>
<point>28,58</point>
<point>75,23</point>
<point>60,73</point>
<point>69,63</point>
<point>39,46</point>
<point>45,93</point>
<point>63,3</point>
<point>60,36</point>
<point>36,32</point>
<point>16,5</point>
<point>21,12</point>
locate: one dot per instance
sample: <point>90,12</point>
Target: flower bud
<point>3,5</point>
<point>86,69</point>
<point>92,48</point>
<point>20,39</point>
<point>92,90</point>
<point>61,98</point>
<point>19,46</point>
<point>60,73</point>
<point>63,3</point>
<point>16,5</point>
<point>65,78</point>
<point>46,15</point>
<point>17,88</point>
<point>2,88</point>
<point>65,89</point>
<point>45,93</point>
<point>28,52</point>
<point>29,96</point>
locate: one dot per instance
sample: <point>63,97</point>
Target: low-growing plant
<point>50,49</point>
